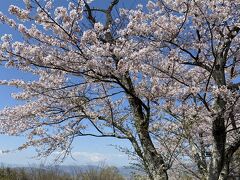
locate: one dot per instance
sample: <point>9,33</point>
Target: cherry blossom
<point>165,77</point>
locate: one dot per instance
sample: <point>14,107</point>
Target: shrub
<point>48,173</point>
<point>101,173</point>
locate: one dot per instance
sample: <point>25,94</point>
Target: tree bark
<point>218,125</point>
<point>218,149</point>
<point>153,160</point>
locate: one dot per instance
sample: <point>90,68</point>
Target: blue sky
<point>86,150</point>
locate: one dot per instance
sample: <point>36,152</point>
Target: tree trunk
<point>224,172</point>
<point>153,160</point>
<point>218,160</point>
<point>218,149</point>
<point>153,163</point>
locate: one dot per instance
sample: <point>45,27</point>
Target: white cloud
<point>95,158</point>
<point>92,157</point>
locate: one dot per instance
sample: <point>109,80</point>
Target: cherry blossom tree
<point>164,76</point>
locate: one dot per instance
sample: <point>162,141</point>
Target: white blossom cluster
<point>166,56</point>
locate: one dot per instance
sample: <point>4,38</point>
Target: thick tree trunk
<point>153,160</point>
<point>222,174</point>
<point>218,164</point>
<point>153,163</point>
<point>218,149</point>
<point>225,172</point>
